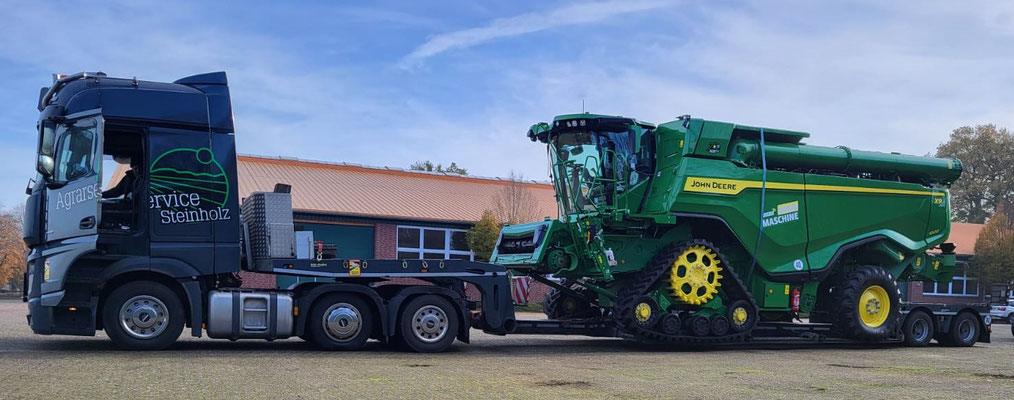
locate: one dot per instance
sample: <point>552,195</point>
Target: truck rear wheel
<point>964,331</point>
<point>867,304</point>
<point>428,324</point>
<point>340,322</point>
<point>918,329</point>
<point>143,315</point>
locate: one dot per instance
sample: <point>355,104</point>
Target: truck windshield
<point>588,167</point>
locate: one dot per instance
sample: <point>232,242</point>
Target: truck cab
<point>171,215</point>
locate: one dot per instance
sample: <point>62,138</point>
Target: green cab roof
<point>566,117</point>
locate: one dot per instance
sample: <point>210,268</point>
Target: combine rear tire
<point>918,329</point>
<point>867,304</point>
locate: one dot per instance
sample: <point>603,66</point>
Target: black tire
<point>751,316</point>
<point>670,324</point>
<point>428,324</point>
<point>918,329</point>
<point>719,325</point>
<point>652,317</point>
<point>964,331</point>
<point>340,321</point>
<point>700,325</point>
<point>561,305</point>
<point>143,315</point>
<point>847,317</point>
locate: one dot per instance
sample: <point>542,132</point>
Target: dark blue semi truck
<point>160,252</point>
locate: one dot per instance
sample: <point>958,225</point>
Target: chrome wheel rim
<point>429,324</point>
<point>144,317</point>
<point>966,331</point>
<point>920,330</point>
<point>342,322</point>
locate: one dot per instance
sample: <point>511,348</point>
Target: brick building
<point>965,287</point>
<point>380,213</point>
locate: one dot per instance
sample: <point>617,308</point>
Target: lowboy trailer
<point>161,252</point>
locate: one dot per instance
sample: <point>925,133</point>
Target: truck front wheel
<point>867,304</point>
<point>428,324</point>
<point>143,316</point>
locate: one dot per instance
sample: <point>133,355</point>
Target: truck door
<point>187,189</point>
<point>73,190</point>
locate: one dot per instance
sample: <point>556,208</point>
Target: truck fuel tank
<point>244,314</point>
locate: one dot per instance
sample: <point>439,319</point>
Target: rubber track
<point>658,266</point>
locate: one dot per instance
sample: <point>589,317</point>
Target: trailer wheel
<point>428,324</point>
<point>918,329</point>
<point>143,315</point>
<point>340,322</point>
<point>867,304</point>
<point>964,331</point>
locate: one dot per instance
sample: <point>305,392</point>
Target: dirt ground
<point>523,367</point>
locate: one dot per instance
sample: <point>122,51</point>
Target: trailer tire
<point>143,315</point>
<point>964,331</point>
<point>340,321</point>
<point>428,324</point>
<point>918,329</point>
<point>859,305</point>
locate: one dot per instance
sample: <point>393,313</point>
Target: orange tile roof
<point>964,235</point>
<point>371,191</point>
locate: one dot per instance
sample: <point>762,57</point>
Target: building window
<point>432,244</point>
<point>961,285</point>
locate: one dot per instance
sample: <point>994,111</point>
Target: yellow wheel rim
<point>874,306</point>
<point>695,275</point>
<point>642,312</point>
<point>739,316</point>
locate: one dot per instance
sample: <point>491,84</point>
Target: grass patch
<point>532,306</point>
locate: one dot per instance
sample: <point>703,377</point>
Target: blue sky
<point>389,83</point>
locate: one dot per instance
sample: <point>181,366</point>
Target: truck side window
<point>76,154</point>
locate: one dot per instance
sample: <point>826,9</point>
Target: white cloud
<point>574,14</point>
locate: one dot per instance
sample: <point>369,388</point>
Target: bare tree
<point>12,249</point>
<point>516,202</point>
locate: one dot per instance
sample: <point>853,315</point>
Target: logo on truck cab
<point>188,185</point>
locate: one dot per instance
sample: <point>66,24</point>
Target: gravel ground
<point>525,367</point>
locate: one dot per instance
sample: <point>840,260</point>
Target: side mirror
<point>45,165</point>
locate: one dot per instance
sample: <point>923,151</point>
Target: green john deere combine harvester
<point>695,230</point>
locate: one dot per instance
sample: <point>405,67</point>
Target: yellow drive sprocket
<point>695,275</point>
